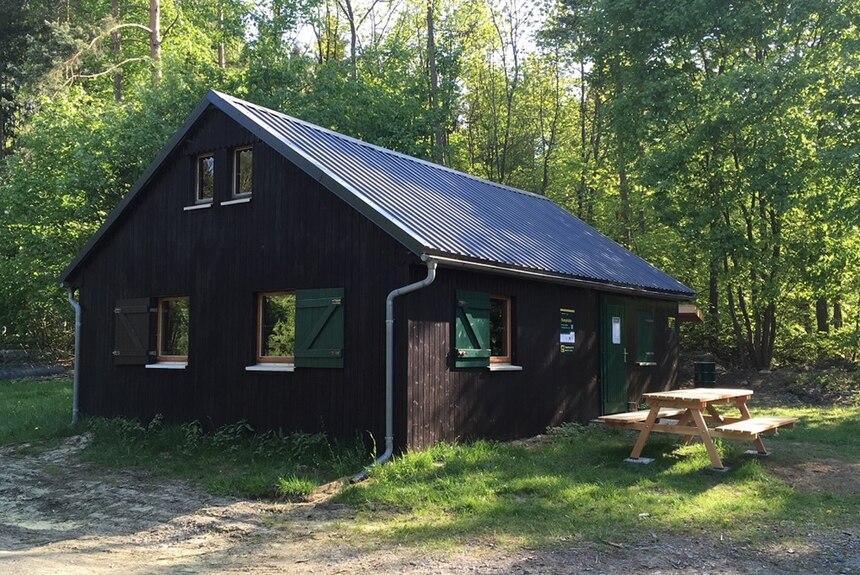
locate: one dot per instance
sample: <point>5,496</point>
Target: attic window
<point>205,178</point>
<point>243,172</point>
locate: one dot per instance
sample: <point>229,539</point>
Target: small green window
<point>645,336</point>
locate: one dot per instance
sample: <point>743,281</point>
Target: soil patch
<point>820,476</point>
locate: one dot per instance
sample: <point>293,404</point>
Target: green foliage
<point>35,409</point>
<point>720,142</point>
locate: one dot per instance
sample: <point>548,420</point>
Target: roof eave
<point>447,260</point>
<point>376,214</point>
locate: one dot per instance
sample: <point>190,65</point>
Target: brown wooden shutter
<point>132,323</point>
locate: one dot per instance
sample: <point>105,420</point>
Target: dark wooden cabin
<point>245,277</point>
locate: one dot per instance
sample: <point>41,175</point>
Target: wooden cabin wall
<point>451,404</point>
<point>293,234</point>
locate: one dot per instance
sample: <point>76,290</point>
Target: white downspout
<point>389,361</point>
<point>77,373</point>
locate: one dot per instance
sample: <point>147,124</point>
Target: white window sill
<point>197,207</point>
<point>167,365</point>
<point>505,367</point>
<point>646,363</point>
<point>245,200</point>
<point>271,367</point>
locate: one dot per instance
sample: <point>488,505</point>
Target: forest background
<point>718,139</point>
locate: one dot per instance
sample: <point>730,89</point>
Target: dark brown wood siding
<point>445,403</point>
<point>451,404</point>
<point>293,234</point>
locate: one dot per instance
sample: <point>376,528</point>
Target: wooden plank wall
<point>450,404</point>
<point>293,234</point>
<point>461,404</point>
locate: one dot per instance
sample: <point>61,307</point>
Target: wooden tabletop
<point>698,395</point>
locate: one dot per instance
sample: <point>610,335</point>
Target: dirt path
<point>58,515</point>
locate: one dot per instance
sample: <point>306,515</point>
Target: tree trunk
<point>116,48</point>
<point>713,318</point>
<point>821,315</point>
<point>624,190</point>
<point>837,314</point>
<point>222,58</point>
<point>439,133</point>
<point>155,39</point>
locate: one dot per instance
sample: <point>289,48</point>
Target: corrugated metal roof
<point>452,213</point>
<point>431,209</point>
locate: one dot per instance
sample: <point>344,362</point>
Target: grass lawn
<point>35,409</point>
<point>571,484</point>
<point>574,484</point>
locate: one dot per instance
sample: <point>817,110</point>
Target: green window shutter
<point>132,322</point>
<point>472,327</point>
<point>645,336</point>
<point>319,328</point>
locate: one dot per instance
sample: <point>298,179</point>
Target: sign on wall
<point>567,333</point>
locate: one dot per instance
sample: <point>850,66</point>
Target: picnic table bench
<point>688,412</point>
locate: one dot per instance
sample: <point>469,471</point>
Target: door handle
<point>625,355</point>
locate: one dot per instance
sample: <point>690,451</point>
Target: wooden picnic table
<point>689,412</point>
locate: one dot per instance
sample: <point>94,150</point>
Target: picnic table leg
<point>684,420</point>
<point>705,436</point>
<point>715,414</point>
<point>646,431</point>
<point>745,414</point>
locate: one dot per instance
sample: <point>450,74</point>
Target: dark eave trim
<point>550,277</point>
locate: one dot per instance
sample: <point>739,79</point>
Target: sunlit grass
<point>576,485</point>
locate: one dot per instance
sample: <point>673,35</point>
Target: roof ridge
<point>362,143</point>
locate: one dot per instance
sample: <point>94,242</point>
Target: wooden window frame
<point>198,179</point>
<point>160,357</point>
<point>508,331</point>
<point>270,358</point>
<point>236,153</point>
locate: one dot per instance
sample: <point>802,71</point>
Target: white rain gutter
<point>389,361</point>
<point>77,373</point>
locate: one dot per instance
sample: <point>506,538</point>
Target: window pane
<point>645,337</point>
<point>278,325</point>
<point>174,327</point>
<point>244,173</point>
<point>205,177</point>
<point>498,327</point>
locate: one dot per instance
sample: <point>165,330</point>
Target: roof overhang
<point>448,261</point>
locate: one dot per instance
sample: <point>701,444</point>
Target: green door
<point>613,356</point>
